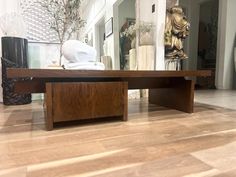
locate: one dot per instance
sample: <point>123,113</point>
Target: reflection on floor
<point>222,98</point>
<point>154,142</point>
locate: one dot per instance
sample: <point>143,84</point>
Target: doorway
<point>207,41</point>
<point>100,38</point>
<point>201,45</point>
<point>126,19</point>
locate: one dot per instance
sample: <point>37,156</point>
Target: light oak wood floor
<point>155,142</point>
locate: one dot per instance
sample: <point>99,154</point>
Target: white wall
<point>160,28</point>
<point>101,38</point>
<point>226,42</point>
<point>116,34</point>
<point>92,13</point>
<point>144,13</point>
<point>126,10</point>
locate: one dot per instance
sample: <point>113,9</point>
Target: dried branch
<point>65,16</point>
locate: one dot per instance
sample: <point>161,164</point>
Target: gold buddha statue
<point>176,30</point>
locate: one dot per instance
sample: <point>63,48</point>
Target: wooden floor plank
<point>154,142</point>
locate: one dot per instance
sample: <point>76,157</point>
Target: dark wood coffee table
<point>78,95</point>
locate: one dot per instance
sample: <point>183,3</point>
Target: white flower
<point>130,32</point>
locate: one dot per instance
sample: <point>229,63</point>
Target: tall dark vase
<point>14,55</point>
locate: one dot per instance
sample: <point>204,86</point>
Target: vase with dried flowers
<point>130,32</point>
<point>146,33</point>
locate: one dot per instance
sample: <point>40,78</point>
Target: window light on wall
<point>37,21</point>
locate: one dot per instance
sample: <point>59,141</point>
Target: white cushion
<point>75,51</point>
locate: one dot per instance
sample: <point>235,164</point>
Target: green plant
<point>65,18</point>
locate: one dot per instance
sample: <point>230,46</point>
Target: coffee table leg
<point>125,106</point>
<point>179,95</point>
<point>48,107</point>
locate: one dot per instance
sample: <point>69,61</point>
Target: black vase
<point>14,55</point>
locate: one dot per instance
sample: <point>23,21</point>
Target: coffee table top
<point>60,73</point>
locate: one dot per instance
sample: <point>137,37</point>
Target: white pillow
<point>75,51</point>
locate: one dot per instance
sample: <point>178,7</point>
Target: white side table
<point>132,59</point>
<point>146,58</point>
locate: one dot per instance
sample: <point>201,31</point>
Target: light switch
<point>153,8</point>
